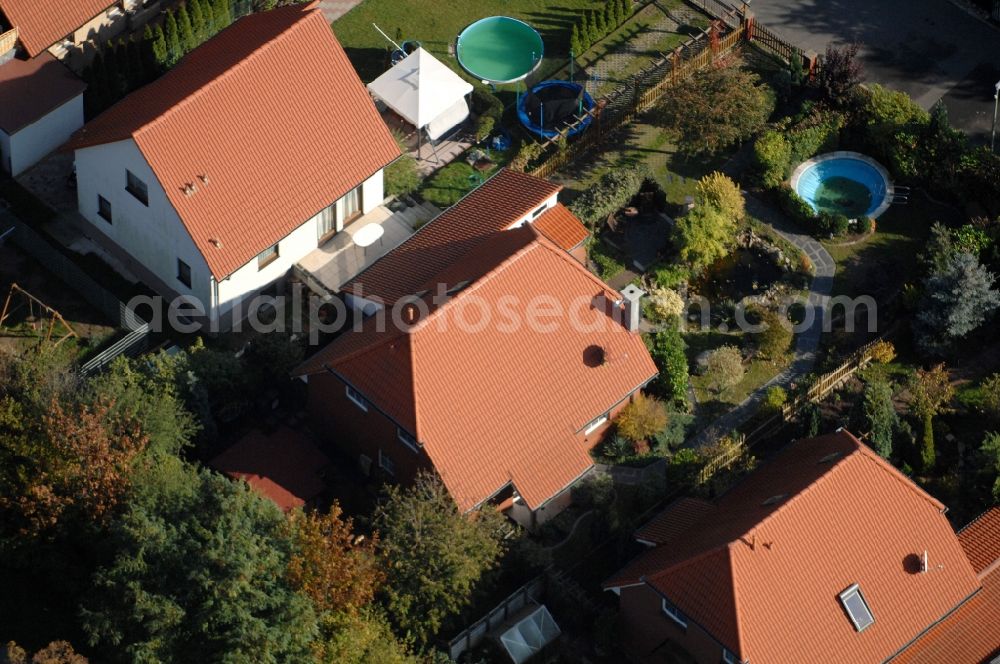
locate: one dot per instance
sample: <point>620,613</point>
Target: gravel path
<point>806,342</point>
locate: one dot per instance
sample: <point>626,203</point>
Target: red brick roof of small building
<point>763,570</point>
<point>271,111</point>
<point>30,89</point>
<point>981,540</point>
<point>562,227</point>
<point>284,466</point>
<point>492,405</point>
<point>41,23</point>
<point>494,206</point>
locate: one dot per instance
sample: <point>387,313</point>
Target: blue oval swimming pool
<point>844,183</point>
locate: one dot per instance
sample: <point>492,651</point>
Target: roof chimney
<point>632,307</point>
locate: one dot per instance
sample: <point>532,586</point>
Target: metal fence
<point>474,634</point>
<point>131,345</point>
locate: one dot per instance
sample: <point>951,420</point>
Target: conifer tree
<point>584,34</point>
<point>574,41</point>
<point>626,6</point>
<point>197,21</point>
<point>112,74</point>
<point>599,24</point>
<point>175,50</point>
<point>592,28</point>
<point>188,40</point>
<point>136,65</point>
<point>223,12</point>
<point>610,16</point>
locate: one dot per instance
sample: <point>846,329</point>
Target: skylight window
<point>830,457</point>
<point>775,499</point>
<point>857,608</point>
<point>457,287</point>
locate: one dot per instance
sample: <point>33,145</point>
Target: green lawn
<point>888,258</point>
<point>758,372</point>
<point>436,25</point>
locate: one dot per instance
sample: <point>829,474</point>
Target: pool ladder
<point>900,195</point>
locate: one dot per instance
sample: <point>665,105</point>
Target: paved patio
<point>340,260</point>
<point>447,150</point>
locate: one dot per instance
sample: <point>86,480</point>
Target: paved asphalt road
<point>928,48</point>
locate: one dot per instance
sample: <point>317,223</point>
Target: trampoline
<point>499,49</point>
<point>551,105</point>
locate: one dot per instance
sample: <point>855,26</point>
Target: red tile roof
<point>562,227</point>
<point>41,23</point>
<point>970,635</point>
<point>494,206</point>
<point>674,520</point>
<point>273,113</point>
<point>284,466</point>
<point>493,404</point>
<point>764,579</point>
<point>981,540</point>
<point>29,89</point>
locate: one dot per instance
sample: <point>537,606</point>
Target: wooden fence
<point>763,37</point>
<point>823,386</point>
<point>723,460</point>
<point>474,634</point>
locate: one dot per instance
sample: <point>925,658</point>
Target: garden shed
<point>425,93</point>
<point>530,635</point>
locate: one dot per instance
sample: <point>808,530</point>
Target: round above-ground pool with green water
<point>499,49</point>
<point>840,195</point>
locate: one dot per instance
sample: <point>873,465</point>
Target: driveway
<point>930,49</point>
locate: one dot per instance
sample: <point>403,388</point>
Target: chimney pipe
<point>632,307</point>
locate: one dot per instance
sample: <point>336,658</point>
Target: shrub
<point>486,103</point>
<point>641,419</point>
<point>611,192</point>
<point>796,207</point>
<point>667,350</point>
<point>820,135</point>
<point>773,341</point>
<point>484,127</point>
<point>666,303</point>
<point>723,194</point>
<point>528,152</point>
<point>991,396</point>
<point>829,223</point>
<point>883,352</point>
<point>773,156</point>
<point>703,236</point>
<point>673,435</point>
<point>725,367</point>
<point>774,399</point>
<point>683,467</point>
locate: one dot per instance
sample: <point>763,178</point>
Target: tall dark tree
<point>199,575</point>
<point>880,414</point>
<point>840,72</point>
<point>957,300</point>
<point>113,73</point>
<point>136,65</point>
<point>159,50</point>
<point>437,555</point>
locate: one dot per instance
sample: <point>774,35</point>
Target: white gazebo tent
<point>425,93</point>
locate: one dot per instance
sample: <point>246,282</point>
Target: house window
<point>326,226</point>
<point>104,208</point>
<point>136,187</point>
<point>183,273</point>
<point>590,428</point>
<point>672,612</point>
<point>407,439</point>
<point>386,464</point>
<point>857,608</point>
<point>352,204</point>
<point>267,257</point>
<point>728,657</point>
<point>358,398</point>
<point>538,211</point>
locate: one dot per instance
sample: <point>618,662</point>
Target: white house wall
<point>531,216</point>
<point>291,249</point>
<point>153,236</point>
<point>29,144</point>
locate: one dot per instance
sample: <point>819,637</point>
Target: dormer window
<point>672,612</point>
